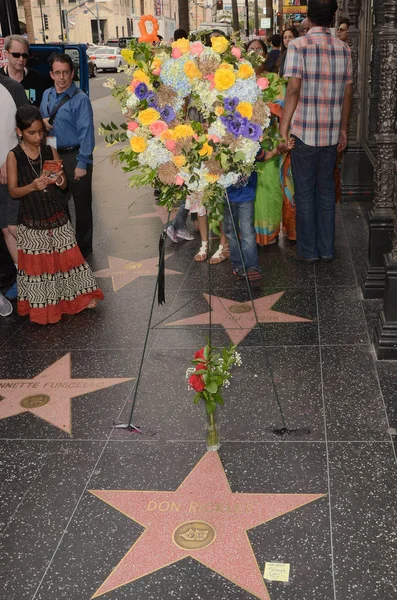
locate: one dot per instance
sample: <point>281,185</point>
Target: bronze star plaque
<point>240,308</point>
<point>194,535</point>
<point>35,401</point>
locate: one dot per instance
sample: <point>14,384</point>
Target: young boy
<point>242,197</point>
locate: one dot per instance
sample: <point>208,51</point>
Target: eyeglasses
<point>19,54</point>
<point>63,73</point>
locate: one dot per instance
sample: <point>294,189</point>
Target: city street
<point>97,90</point>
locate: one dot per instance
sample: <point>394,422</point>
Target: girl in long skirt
<point>53,278</point>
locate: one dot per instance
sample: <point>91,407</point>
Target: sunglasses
<point>19,54</point>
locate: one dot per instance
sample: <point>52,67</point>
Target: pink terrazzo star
<point>238,318</point>
<point>204,515</point>
<point>49,394</point>
<point>159,211</point>
<point>123,271</point>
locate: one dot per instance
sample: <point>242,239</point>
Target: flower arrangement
<point>207,378</point>
<point>195,118</point>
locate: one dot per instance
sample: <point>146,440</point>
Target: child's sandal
<point>220,255</point>
<point>202,254</point>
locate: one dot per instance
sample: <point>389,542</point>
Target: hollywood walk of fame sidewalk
<point>88,511</point>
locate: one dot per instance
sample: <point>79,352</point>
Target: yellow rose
<point>156,63</point>
<point>179,161</point>
<point>182,131</point>
<point>245,109</point>
<point>148,116</point>
<point>138,143</point>
<point>245,71</point>
<point>224,79</point>
<point>183,45</point>
<point>206,150</point>
<point>140,75</point>
<point>167,135</point>
<point>191,70</point>
<point>128,56</point>
<point>219,110</point>
<point>219,44</point>
<point>227,66</point>
<point>211,178</point>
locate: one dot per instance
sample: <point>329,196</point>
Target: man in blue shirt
<point>68,116</point>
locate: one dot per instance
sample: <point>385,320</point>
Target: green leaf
<point>211,386</point>
<point>113,126</point>
<point>200,372</point>
<point>206,352</point>
<point>239,156</point>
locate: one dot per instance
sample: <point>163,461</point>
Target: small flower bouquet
<point>207,378</point>
<point>195,118</point>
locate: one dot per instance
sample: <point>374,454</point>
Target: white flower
<point>132,101</point>
<point>156,154</point>
<point>237,358</point>
<point>189,372</point>
<point>110,83</point>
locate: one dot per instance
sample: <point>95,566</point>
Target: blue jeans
<point>243,215</point>
<point>181,216</point>
<point>313,174</point>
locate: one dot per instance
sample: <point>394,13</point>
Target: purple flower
<point>141,91</point>
<point>238,125</point>
<point>151,99</point>
<point>230,103</point>
<point>226,121</point>
<point>168,114</point>
<point>254,131</point>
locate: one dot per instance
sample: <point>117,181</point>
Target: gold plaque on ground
<point>35,401</point>
<point>194,535</point>
<point>240,308</point>
<point>132,266</point>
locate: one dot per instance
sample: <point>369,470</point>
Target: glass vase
<point>212,434</point>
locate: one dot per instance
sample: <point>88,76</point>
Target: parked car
<point>119,42</point>
<point>92,68</point>
<point>107,59</point>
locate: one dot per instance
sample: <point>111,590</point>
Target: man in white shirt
<point>12,96</point>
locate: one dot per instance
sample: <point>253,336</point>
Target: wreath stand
<point>159,289</point>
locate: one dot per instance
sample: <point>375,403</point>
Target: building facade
<point>113,18</point>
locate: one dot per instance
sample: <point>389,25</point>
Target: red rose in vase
<point>196,382</point>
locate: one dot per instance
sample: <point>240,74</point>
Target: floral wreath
<point>196,118</point>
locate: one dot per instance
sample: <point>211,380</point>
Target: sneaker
<point>12,293</point>
<point>172,233</point>
<point>5,306</point>
<point>184,234</point>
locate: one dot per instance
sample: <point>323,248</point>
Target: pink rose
<point>236,52</point>
<point>179,180</point>
<point>196,48</point>
<point>170,145</point>
<point>215,139</point>
<point>158,127</point>
<point>134,84</point>
<point>156,71</point>
<point>263,83</point>
<point>132,125</point>
<point>176,53</point>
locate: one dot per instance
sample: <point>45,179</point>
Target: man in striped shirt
<point>317,107</point>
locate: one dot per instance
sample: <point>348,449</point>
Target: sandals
<point>202,254</point>
<point>220,255</point>
<point>93,303</point>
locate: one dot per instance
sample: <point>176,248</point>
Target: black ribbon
<point>161,271</point>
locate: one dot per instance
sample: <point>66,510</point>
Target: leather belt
<point>68,149</point>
